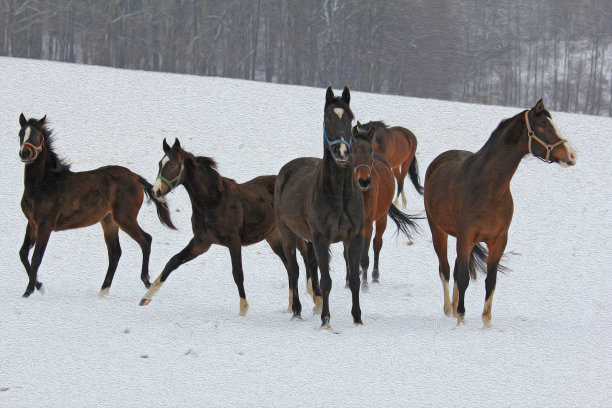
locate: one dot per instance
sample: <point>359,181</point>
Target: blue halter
<point>341,140</point>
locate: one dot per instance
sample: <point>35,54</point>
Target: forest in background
<point>509,52</point>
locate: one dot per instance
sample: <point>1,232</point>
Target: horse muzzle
<point>27,154</point>
<point>364,184</point>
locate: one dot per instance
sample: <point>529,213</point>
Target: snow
<point>549,344</point>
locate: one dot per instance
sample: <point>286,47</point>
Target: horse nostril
<point>364,183</point>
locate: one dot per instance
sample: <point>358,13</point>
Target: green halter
<point>175,181</point>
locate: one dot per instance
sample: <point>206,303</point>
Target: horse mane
<point>379,124</point>
<point>54,162</point>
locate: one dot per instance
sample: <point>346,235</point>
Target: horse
<point>224,213</point>
<point>56,199</point>
<point>467,195</point>
<point>398,145</point>
<point>319,200</point>
<point>377,184</point>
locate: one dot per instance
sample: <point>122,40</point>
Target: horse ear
<point>22,120</point>
<point>346,95</point>
<point>329,96</point>
<point>177,144</point>
<point>166,146</point>
<point>43,120</point>
<point>372,133</point>
<point>358,124</point>
<point>539,107</point>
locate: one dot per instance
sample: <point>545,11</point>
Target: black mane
<point>54,162</point>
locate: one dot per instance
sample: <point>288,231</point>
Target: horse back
<point>384,181</point>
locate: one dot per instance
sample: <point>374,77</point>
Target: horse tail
<point>163,212</point>
<point>478,262</point>
<point>404,222</point>
<point>414,175</point>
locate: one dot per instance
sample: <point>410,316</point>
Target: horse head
<point>544,139</point>
<point>171,168</point>
<point>337,122</point>
<point>362,154</point>
<point>31,138</point>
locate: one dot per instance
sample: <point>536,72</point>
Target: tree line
<point>509,53</point>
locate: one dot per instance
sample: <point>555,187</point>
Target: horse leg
<point>130,226</point>
<point>42,238</point>
<point>235,250</point>
<point>293,270</point>
<point>381,226</point>
<point>462,278</point>
<point>321,247</point>
<point>312,281</point>
<point>194,248</point>
<point>355,247</point>
<point>496,251</point>
<point>440,242</point>
<point>111,236</point>
<point>365,259</point>
<point>400,182</point>
<point>28,243</point>
<point>396,174</point>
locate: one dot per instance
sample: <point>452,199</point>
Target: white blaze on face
<point>343,149</point>
<point>339,112</point>
<point>26,134</point>
<point>158,183</point>
<point>571,153</point>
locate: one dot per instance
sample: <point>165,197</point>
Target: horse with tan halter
<point>467,195</point>
<point>57,199</point>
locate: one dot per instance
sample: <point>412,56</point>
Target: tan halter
<point>549,147</point>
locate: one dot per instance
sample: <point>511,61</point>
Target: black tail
<point>163,213</point>
<point>404,222</point>
<point>478,261</point>
<point>413,171</point>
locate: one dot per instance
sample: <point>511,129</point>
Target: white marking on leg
<point>104,292</point>
<point>309,288</point>
<point>486,313</point>
<point>318,307</point>
<point>146,299</point>
<point>404,201</point>
<point>244,307</point>
<point>290,307</point>
<point>447,302</point>
<point>339,112</point>
<point>455,299</point>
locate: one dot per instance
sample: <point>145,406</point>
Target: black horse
<point>319,200</point>
<point>56,199</point>
<point>224,213</point>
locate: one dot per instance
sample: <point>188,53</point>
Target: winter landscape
<point>548,345</point>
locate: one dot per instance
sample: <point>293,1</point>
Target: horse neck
<point>34,173</point>
<point>202,185</point>
<point>336,180</point>
<point>497,161</point>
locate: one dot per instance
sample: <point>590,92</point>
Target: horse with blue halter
<point>319,200</point>
<point>224,213</point>
<point>57,199</point>
<point>467,195</point>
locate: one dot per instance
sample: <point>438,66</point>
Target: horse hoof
<point>448,311</point>
<point>27,294</point>
<point>460,320</point>
<point>365,286</point>
<point>296,316</point>
<point>147,284</point>
<point>325,326</point>
<point>103,292</point>
<point>359,323</point>
<point>317,310</point>
<point>39,286</point>
<point>144,301</point>
<point>375,280</point>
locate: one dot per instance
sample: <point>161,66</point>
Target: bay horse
<point>467,195</point>
<point>56,199</point>
<point>398,145</point>
<point>224,213</point>
<point>319,200</point>
<point>377,184</point>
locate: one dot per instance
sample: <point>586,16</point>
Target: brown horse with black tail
<point>56,199</point>
<point>467,195</point>
<point>224,213</point>
<point>375,179</point>
<point>398,145</point>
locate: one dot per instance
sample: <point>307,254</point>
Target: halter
<point>171,183</point>
<point>37,149</point>
<point>341,140</point>
<point>549,147</point>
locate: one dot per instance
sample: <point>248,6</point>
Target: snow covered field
<point>550,340</point>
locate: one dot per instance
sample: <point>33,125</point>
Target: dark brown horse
<point>56,199</point>
<point>224,213</point>
<point>467,195</point>
<point>398,145</point>
<point>319,200</point>
<point>377,184</point>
